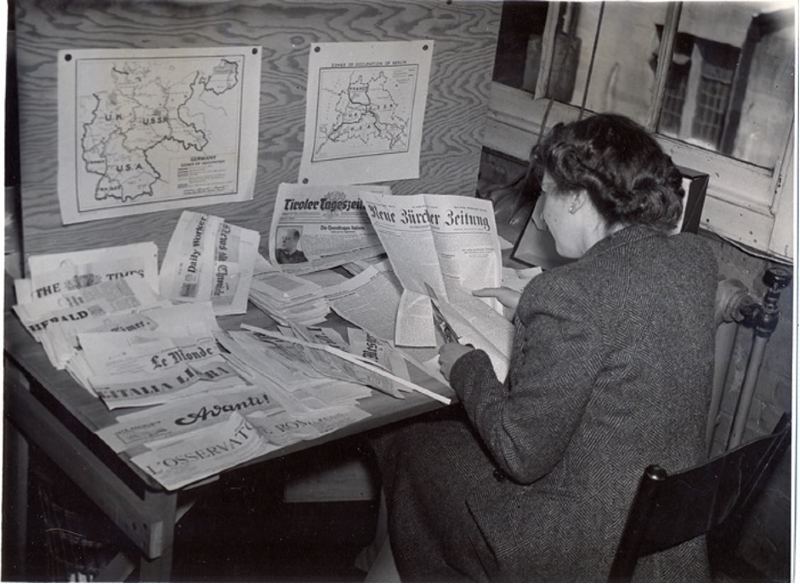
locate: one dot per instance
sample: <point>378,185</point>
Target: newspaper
<point>323,335</point>
<point>209,259</point>
<point>60,339</point>
<point>445,246</point>
<point>478,325</point>
<point>319,227</point>
<point>102,299</point>
<point>367,348</point>
<point>126,369</point>
<point>332,362</point>
<point>315,360</point>
<point>185,415</point>
<point>238,437</point>
<point>282,428</point>
<point>292,382</point>
<point>370,300</point>
<point>62,272</point>
<point>282,360</point>
<point>360,344</point>
<point>286,297</point>
<point>197,455</point>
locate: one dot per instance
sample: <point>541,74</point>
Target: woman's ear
<point>578,200</point>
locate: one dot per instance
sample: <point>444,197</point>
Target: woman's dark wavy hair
<point>623,169</point>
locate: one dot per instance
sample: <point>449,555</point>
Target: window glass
<point>730,83</point>
<point>622,79</point>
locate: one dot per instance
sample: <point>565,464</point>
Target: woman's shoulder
<point>697,246</point>
<point>654,259</point>
<point>568,285</point>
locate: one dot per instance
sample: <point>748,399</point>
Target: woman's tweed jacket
<point>611,371</point>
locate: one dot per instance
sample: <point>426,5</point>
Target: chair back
<point>671,509</point>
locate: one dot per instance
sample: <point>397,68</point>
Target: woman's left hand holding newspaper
<point>449,353</point>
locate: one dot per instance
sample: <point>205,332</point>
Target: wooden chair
<point>708,499</point>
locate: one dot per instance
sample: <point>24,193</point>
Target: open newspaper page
<point>279,359</point>
<point>209,259</point>
<point>369,299</point>
<point>403,224</point>
<point>268,363</point>
<point>327,364</point>
<point>372,351</point>
<point>318,227</point>
<point>440,245</point>
<point>465,236</point>
<point>338,364</point>
<point>478,325</point>
<point>52,274</point>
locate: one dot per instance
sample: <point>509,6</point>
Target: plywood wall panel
<point>465,36</point>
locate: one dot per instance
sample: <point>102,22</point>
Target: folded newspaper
<point>445,246</point>
<point>238,437</point>
<point>124,294</point>
<point>316,227</point>
<point>127,369</point>
<point>57,273</point>
<point>132,431</point>
<point>209,259</point>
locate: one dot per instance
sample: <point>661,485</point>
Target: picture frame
<point>535,245</point>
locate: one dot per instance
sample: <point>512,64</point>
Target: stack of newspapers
<point>190,399</point>
<point>285,297</point>
<point>99,315</point>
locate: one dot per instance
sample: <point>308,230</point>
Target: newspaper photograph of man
<point>287,251</point>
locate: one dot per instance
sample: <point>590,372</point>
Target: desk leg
<point>15,523</point>
<point>158,569</point>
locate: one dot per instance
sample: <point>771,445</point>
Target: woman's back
<point>647,301</point>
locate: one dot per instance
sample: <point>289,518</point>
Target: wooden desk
<point>48,408</point>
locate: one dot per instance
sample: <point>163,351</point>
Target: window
<point>700,116</point>
<point>674,100</point>
<point>709,115</point>
<point>715,82</point>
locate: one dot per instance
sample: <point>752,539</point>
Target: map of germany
<point>364,111</point>
<point>146,127</point>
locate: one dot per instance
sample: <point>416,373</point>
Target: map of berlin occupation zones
<point>156,129</point>
<point>364,111</point>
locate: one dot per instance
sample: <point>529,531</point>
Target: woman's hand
<point>449,354</point>
<point>507,297</point>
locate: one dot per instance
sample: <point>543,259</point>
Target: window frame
<point>746,203</point>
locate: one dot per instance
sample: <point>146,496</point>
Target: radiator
<point>737,310</point>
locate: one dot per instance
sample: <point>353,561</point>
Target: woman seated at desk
<point>532,478</point>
